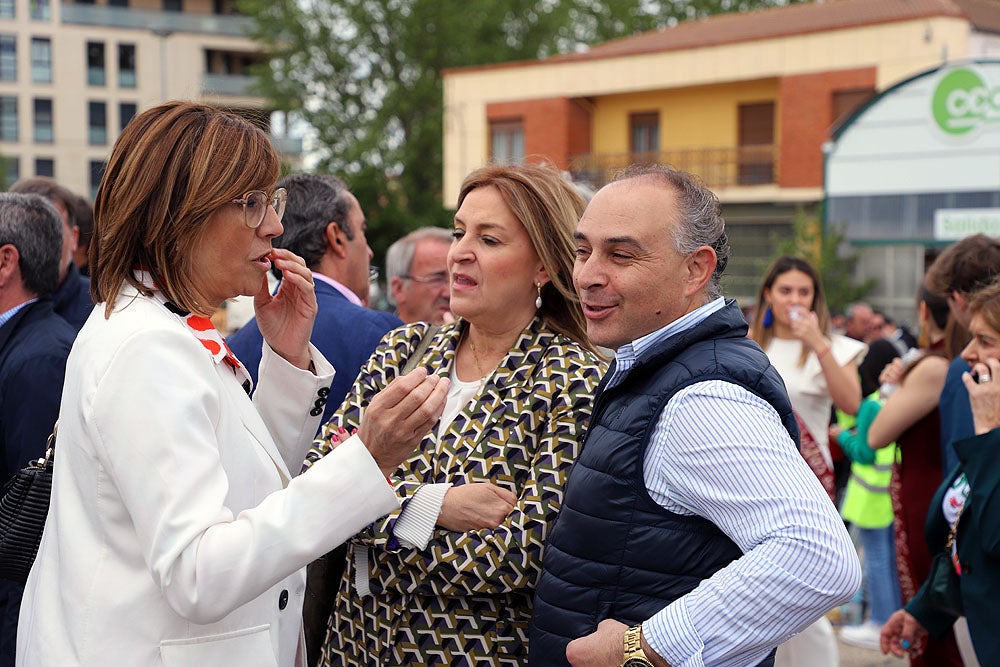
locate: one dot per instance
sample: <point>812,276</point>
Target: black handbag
<point>23,508</point>
<point>944,590</point>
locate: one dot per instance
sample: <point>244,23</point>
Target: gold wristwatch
<point>634,655</point>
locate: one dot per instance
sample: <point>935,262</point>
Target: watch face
<point>637,662</point>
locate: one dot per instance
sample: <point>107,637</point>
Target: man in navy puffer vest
<point>689,516</point>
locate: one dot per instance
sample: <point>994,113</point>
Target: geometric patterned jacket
<point>465,599</point>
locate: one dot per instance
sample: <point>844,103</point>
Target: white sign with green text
<point>951,224</point>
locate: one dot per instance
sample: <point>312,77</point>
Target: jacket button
<point>324,392</point>
<point>283,600</point>
<point>315,412</point>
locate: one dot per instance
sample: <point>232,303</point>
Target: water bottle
<point>886,388</point>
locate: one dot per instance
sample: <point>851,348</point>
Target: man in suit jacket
<point>71,297</point>
<point>34,345</point>
<point>325,226</point>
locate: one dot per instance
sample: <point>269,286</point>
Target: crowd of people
<point>565,446</point>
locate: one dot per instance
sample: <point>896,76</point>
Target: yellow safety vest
<point>866,501</point>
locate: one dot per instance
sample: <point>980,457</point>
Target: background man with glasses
<point>325,226</point>
<point>417,272</point>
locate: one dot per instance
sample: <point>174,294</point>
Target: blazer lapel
<point>498,404</point>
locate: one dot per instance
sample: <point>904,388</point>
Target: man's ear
<point>336,240</point>
<point>396,287</point>
<point>9,267</point>
<point>700,265</point>
<point>961,301</point>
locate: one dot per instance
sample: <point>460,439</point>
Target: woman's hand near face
<point>399,416</point>
<point>984,396</point>
<point>286,318</point>
<point>477,506</point>
<point>805,327</point>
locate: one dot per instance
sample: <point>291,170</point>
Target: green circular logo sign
<point>962,102</point>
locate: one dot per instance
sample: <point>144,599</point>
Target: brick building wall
<point>805,114</point>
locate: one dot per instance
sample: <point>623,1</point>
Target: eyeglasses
<point>438,279</point>
<point>373,273</point>
<point>255,205</point>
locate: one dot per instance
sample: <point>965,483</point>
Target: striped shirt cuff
<point>416,522</point>
<point>673,636</point>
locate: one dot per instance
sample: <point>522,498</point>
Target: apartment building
<point>73,73</point>
<point>747,101</point>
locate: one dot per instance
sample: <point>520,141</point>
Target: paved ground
<point>852,656</point>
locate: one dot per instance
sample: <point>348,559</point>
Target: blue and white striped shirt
<point>7,315</point>
<point>721,452</point>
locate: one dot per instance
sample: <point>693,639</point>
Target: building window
<point>126,65</point>
<point>7,9</point>
<point>126,112</point>
<point>95,63</point>
<point>8,118</point>
<point>117,3</point>
<point>844,102</point>
<point>8,57</point>
<point>41,60</point>
<point>43,121</point>
<point>172,6</point>
<point>644,134</point>
<point>97,123</point>
<point>40,10</point>
<point>96,173</point>
<point>756,152</point>
<point>11,169</point>
<point>45,166</point>
<point>507,141</point>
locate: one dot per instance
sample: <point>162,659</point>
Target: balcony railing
<point>238,85</point>
<point>736,166</point>
<point>158,22</point>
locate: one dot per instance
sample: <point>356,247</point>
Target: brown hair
<point>548,207</point>
<point>764,334</point>
<point>965,266</point>
<point>171,168</point>
<point>986,302</point>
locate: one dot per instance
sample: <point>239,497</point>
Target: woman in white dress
<point>820,369</point>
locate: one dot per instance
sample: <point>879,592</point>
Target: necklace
<point>475,357</point>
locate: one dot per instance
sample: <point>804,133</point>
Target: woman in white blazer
<point>178,532</point>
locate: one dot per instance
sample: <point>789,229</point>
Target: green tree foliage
<point>366,75</point>
<point>825,248</point>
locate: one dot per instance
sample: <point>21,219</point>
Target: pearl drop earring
<point>538,299</point>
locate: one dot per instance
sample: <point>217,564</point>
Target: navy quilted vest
<point>614,552</point>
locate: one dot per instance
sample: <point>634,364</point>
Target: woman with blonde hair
<point>820,370</point>
<point>450,578</point>
<point>177,532</point>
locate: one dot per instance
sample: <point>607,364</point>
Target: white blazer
<point>177,535</point>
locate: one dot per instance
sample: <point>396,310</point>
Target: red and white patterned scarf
<point>201,328</point>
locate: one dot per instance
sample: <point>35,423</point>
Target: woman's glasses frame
<point>255,205</point>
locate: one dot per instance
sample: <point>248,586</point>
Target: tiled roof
<point>796,19</point>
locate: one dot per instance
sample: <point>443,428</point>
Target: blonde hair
<point>548,207</point>
<point>171,168</point>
